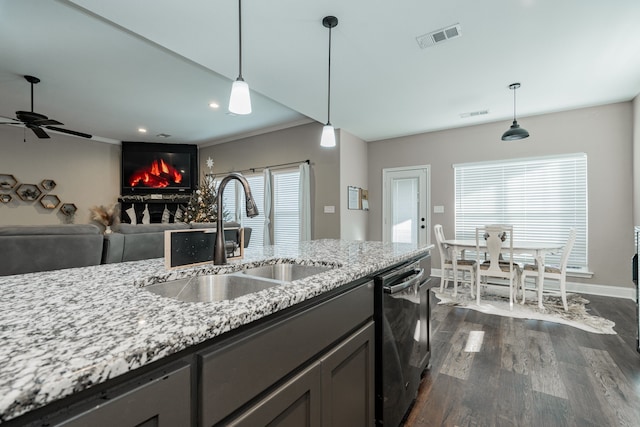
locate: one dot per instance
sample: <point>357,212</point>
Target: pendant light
<point>240,99</point>
<point>328,138</point>
<point>515,131</point>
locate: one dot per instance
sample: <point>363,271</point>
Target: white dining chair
<point>497,242</point>
<point>446,264</point>
<point>553,272</point>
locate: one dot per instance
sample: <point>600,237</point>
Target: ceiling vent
<point>439,36</point>
<point>474,113</point>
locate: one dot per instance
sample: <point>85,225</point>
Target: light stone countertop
<point>62,331</point>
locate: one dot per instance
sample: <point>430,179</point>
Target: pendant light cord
<point>240,40</point>
<point>514,104</point>
<point>329,83</point>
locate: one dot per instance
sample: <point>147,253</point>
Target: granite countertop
<point>62,331</point>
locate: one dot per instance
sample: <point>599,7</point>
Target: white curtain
<point>304,202</point>
<point>267,207</point>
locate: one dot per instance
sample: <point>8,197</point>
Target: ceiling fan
<point>36,121</point>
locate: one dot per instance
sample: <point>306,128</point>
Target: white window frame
<point>288,232</point>
<point>542,197</point>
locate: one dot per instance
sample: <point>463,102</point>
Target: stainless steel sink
<point>286,272</point>
<point>213,287</point>
<point>220,287</point>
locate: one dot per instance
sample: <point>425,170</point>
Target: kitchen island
<point>64,332</point>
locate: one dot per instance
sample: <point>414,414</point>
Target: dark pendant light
<point>240,99</point>
<point>328,132</point>
<point>515,131</point>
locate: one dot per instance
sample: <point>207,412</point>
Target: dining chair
<point>496,241</point>
<point>446,264</point>
<point>554,272</point>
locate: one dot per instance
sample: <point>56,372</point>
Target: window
<point>234,204</point>
<point>285,215</point>
<point>541,197</point>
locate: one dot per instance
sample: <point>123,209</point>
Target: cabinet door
<point>231,375</point>
<point>294,404</point>
<point>348,381</point>
<point>162,402</point>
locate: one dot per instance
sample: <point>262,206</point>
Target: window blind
<point>286,219</point>
<point>541,197</point>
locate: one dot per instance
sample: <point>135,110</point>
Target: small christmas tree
<point>202,205</point>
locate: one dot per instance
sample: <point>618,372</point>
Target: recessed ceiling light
<point>142,130</point>
<point>214,104</point>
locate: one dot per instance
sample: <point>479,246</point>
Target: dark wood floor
<point>529,372</point>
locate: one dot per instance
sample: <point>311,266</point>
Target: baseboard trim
<point>583,288</point>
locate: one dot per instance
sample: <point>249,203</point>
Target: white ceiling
<point>109,67</point>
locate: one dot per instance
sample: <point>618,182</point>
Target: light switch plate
<point>438,209</point>
<point>329,209</point>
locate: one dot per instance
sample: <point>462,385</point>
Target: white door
<point>405,197</point>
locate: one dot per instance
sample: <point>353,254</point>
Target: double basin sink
<point>220,287</point>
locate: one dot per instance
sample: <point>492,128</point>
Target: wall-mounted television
<point>155,168</point>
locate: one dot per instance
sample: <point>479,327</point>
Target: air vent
<point>439,36</point>
<point>474,113</point>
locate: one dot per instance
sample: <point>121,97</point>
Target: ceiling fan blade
<point>70,132</point>
<point>40,133</point>
<point>10,121</point>
<point>47,122</point>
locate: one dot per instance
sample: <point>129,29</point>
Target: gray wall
<point>604,133</point>
<point>289,145</point>
<point>353,172</point>
<point>86,172</point>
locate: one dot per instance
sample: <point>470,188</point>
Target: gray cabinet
<point>234,376</point>
<point>296,403</point>
<point>162,400</point>
<point>348,381</point>
<point>337,390</point>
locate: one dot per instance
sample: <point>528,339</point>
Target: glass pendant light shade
<point>515,132</point>
<point>328,138</point>
<point>240,100</point>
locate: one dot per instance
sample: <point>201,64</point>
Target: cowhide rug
<point>495,300</point>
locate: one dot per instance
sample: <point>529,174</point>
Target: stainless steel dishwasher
<point>401,331</point>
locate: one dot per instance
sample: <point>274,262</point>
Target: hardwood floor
<point>530,372</point>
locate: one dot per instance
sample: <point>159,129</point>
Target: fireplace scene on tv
<point>158,174</point>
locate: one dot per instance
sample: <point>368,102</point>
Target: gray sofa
<point>143,241</point>
<point>27,249</point>
<point>135,242</point>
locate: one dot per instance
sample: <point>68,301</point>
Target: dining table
<point>538,250</point>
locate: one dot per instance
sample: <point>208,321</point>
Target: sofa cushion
<point>28,249</point>
<point>35,230</point>
<point>150,228</point>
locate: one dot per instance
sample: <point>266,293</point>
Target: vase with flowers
<point>107,216</point>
